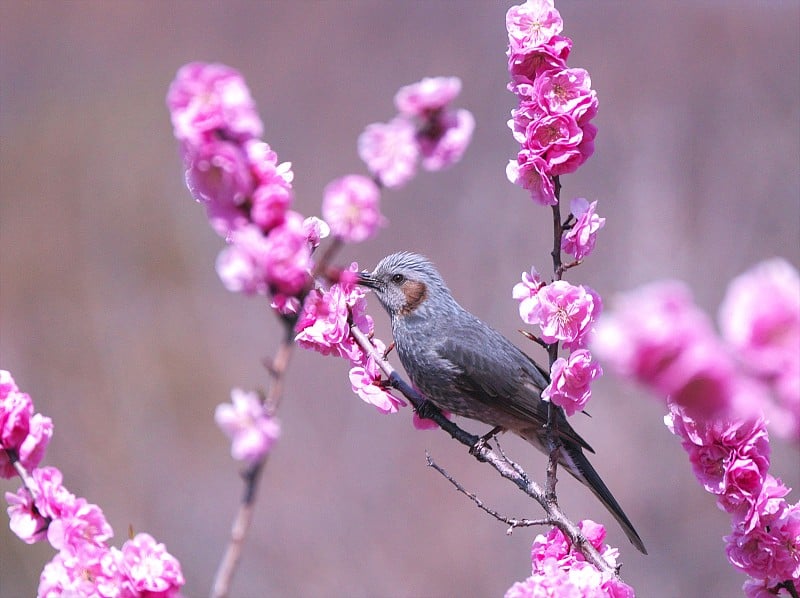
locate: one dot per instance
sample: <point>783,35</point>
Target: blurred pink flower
<point>532,24</point>
<point>390,151</point>
<point>270,203</point>
<point>427,96</point>
<point>206,98</point>
<point>16,410</point>
<point>91,573</point>
<point>245,421</point>
<point>315,229</point>
<point>450,141</point>
<point>571,380</point>
<point>649,330</point>
<point>32,449</point>
<point>217,172</point>
<point>760,318</point>
<point>579,241</point>
<point>351,206</point>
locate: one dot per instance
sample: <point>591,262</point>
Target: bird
<point>466,367</point>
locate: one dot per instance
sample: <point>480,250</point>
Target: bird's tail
<point>575,462</point>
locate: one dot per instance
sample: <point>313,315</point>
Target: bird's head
<point>406,283</point>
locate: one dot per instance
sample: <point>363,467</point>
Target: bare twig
<point>506,468</point>
<point>244,516</point>
<point>512,522</point>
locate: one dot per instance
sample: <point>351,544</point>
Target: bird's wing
<point>512,384</point>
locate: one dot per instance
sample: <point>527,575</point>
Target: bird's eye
<point>398,279</point>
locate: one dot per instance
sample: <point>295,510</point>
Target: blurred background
<point>114,320</point>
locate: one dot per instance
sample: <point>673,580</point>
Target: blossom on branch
<point>351,206</point>
<point>560,570</point>
<point>571,380</point>
<point>246,422</point>
<point>579,241</point>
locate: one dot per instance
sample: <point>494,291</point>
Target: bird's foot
<point>484,440</point>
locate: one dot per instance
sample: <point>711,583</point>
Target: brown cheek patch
<point>416,292</point>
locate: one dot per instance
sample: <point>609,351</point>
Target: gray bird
<point>466,367</point>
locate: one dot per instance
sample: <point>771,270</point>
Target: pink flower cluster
<point>351,206</point>
<point>324,326</point>
<point>247,423</point>
<point>425,127</point>
<point>44,509</point>
<point>730,458</point>
<point>23,433</point>
<point>580,239</point>
<point>564,313</point>
<point>246,191</point>
<point>559,570</point>
<point>556,103</point>
<point>718,392</point>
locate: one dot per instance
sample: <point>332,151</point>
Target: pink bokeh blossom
<point>427,96</point>
<point>206,99</point>
<point>390,151</point>
<point>246,422</point>
<point>446,146</point>
<point>351,207</point>
<point>571,380</point>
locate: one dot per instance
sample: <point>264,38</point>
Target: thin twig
<point>512,522</point>
<point>244,515</point>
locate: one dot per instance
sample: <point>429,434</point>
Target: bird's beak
<point>367,280</point>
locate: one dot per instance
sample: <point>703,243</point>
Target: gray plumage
<point>466,367</point>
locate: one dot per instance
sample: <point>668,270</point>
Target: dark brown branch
<point>504,466</point>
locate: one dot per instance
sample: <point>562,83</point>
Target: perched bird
<point>466,367</point>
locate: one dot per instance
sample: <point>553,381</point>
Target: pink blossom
<point>566,91</point>
<point>269,205</point>
<point>263,163</point>
<point>390,151</point>
<point>565,313</point>
<point>217,171</point>
<point>522,118</point>
<point>52,498</point>
<point>559,570</point>
<point>364,380</point>
<point>79,523</point>
<point>561,141</point>
<point>760,317</point>
<point>527,65</point>
<point>93,572</point>
<point>531,172</point>
<point>527,293</point>
<point>759,588</point>
<point>351,206</point>
<point>31,451</point>
<point>288,256</point>
<point>24,518</point>
<point>579,241</point>
<point>315,229</point>
<point>448,145</point>
<point>571,380</point>
<point>16,410</point>
<point>729,455</point>
<point>650,329</point>
<point>427,96</point>
<point>532,24</point>
<point>245,421</point>
<point>207,98</point>
<point>240,265</point>
<point>770,551</point>
<point>148,569</point>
